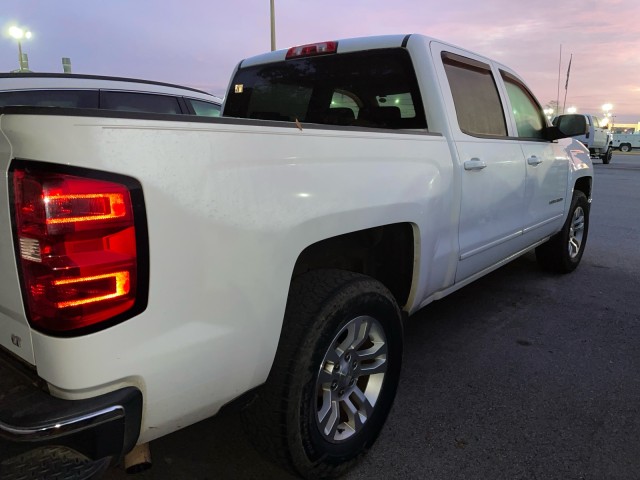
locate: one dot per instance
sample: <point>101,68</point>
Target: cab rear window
<point>376,88</point>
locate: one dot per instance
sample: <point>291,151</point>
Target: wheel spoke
<point>333,356</point>
<point>379,349</point>
<point>578,224</point>
<point>379,365</point>
<point>574,247</point>
<point>363,402</point>
<point>325,377</point>
<point>354,414</point>
<point>329,416</point>
<point>363,330</point>
<point>352,329</point>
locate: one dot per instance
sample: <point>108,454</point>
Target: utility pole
<point>273,26</point>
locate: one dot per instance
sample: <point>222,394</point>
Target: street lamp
<point>19,33</point>
<point>606,108</point>
<point>572,110</point>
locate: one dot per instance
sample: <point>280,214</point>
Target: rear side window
<point>50,98</point>
<point>139,102</point>
<point>475,96</point>
<point>205,109</point>
<point>376,88</point>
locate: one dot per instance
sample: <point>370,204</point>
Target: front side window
<point>475,96</point>
<point>139,102</point>
<point>205,109</point>
<point>376,88</point>
<point>530,120</point>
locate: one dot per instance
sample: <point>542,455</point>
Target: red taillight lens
<point>312,49</point>
<point>77,248</point>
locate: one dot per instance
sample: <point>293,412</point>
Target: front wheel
<point>606,156</point>
<point>563,252</point>
<point>335,374</point>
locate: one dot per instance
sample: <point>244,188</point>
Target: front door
<point>547,165</point>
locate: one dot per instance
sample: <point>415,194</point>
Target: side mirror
<point>564,126</point>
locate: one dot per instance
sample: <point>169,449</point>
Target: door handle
<point>474,164</point>
<point>533,160</point>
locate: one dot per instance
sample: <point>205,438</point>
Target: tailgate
<point>15,334</point>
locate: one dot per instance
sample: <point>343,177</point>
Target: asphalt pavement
<point>520,375</point>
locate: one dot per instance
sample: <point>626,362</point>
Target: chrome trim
<point>66,426</point>
<point>489,245</point>
<point>543,223</point>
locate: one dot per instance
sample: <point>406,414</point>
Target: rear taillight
<point>77,247</point>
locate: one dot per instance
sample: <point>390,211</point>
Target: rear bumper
<point>100,427</point>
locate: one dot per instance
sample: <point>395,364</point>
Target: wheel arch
<point>584,184</point>
<point>385,253</point>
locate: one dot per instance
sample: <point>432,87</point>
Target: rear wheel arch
<point>385,253</point>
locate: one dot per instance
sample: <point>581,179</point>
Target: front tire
<point>335,374</point>
<point>606,156</point>
<point>563,252</point>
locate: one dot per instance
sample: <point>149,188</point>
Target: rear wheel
<point>335,374</point>
<point>563,252</point>
<point>625,147</point>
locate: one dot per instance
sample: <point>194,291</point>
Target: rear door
<point>491,166</point>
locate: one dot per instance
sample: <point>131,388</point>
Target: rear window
<point>475,96</point>
<point>376,88</point>
<point>50,98</point>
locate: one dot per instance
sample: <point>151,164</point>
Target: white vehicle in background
<point>625,142</point>
<point>104,93</point>
<point>596,137</point>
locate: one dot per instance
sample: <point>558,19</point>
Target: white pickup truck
<point>625,142</point>
<point>154,268</point>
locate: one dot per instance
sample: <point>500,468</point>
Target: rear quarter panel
<point>230,206</point>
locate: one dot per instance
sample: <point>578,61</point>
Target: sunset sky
<point>199,42</point>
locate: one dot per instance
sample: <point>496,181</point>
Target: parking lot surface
<point>521,375</point>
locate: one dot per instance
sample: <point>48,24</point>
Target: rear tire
<point>563,252</point>
<point>625,147</point>
<point>334,377</point>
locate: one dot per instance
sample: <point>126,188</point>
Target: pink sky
<point>198,42</point>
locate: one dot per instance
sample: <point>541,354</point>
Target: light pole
<point>19,33</point>
<point>273,26</point>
